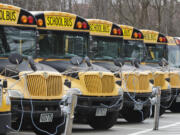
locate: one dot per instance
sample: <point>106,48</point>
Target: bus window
<point>60,44</point>
<point>174,55</point>
<point>16,40</point>
<point>133,50</point>
<point>155,52</point>
<point>105,48</point>
<point>74,45</point>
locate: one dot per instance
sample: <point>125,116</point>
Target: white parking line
<point>148,130</point>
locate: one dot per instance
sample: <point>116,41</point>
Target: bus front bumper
<point>88,105</point>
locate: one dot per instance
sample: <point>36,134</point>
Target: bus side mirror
<point>15,58</point>
<point>135,63</point>
<point>163,62</point>
<point>32,64</point>
<point>88,62</point>
<point>76,60</point>
<point>119,62</point>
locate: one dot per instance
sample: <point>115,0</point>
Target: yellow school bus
<point>63,43</point>
<point>173,56</point>
<point>137,80</point>
<point>30,92</point>
<point>106,45</point>
<point>155,45</point>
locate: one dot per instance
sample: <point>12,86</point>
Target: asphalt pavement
<point>169,125</point>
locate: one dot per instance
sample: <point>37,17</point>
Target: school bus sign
<point>57,20</point>
<point>127,31</point>
<point>100,27</point>
<point>150,36</point>
<point>9,14</point>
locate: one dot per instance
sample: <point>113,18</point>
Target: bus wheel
<point>175,107</point>
<point>133,116</point>
<point>104,122</point>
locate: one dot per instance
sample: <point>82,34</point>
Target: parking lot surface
<point>169,125</point>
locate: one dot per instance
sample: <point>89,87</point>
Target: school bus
<point>155,44</point>
<point>63,43</point>
<point>106,45</point>
<point>173,56</point>
<point>138,81</point>
<point>30,92</point>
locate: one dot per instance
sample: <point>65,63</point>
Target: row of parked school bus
<point>115,67</point>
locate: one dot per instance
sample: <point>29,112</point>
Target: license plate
<point>101,111</point>
<point>138,106</point>
<point>46,117</point>
<point>178,99</point>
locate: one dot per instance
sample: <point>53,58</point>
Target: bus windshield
<point>105,48</point>
<point>17,40</point>
<point>58,44</point>
<point>174,55</point>
<point>155,52</point>
<point>133,50</point>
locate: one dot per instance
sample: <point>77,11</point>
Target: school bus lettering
<point>8,15</point>
<point>127,32</point>
<point>152,37</point>
<point>59,21</point>
<point>100,28</point>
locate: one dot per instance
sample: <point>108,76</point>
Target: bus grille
<point>174,79</point>
<point>41,86</point>
<point>159,80</point>
<point>96,84</point>
<point>136,83</point>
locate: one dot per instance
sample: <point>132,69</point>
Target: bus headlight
<point>15,94</point>
<point>120,92</point>
<point>8,102</point>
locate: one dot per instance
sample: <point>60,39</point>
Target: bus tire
<point>133,116</point>
<point>104,122</point>
<point>175,107</point>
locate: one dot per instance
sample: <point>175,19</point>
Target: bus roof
<point>100,27</point>
<point>171,40</point>
<point>154,37</point>
<point>16,16</point>
<point>55,20</point>
<point>131,33</point>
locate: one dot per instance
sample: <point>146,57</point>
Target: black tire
<point>133,116</point>
<point>49,127</point>
<point>105,122</point>
<point>175,107</point>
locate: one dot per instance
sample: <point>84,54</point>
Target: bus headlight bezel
<point>15,94</point>
<point>120,92</point>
